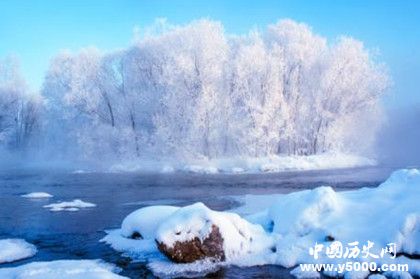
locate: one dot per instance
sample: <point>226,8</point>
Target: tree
<point>193,92</point>
<point>19,110</point>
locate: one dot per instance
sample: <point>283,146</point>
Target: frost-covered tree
<point>255,90</point>
<point>195,92</point>
<point>191,110</point>
<point>19,110</point>
<point>350,86</point>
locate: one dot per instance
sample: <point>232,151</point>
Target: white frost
<point>15,249</point>
<point>37,195</point>
<point>63,269</point>
<point>74,205</point>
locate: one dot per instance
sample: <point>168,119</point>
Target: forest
<point>194,91</point>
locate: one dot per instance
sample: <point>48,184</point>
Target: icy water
<point>76,235</point>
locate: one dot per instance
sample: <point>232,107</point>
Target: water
<point>76,235</point>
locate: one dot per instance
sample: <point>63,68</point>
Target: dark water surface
<point>76,235</point>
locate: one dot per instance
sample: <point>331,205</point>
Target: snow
<point>238,165</point>
<point>73,205</point>
<point>275,163</point>
<point>299,274</point>
<point>237,170</point>
<point>201,169</point>
<point>280,229</point>
<point>15,249</point>
<point>145,220</point>
<point>167,169</point>
<point>377,276</point>
<point>198,269</point>
<point>37,195</point>
<point>63,269</point>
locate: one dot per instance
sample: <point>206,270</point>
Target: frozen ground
<point>15,249</point>
<point>249,164</point>
<point>63,269</point>
<point>281,229</point>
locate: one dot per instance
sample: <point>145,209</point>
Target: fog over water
<point>398,140</point>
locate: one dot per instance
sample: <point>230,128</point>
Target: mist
<point>399,138</point>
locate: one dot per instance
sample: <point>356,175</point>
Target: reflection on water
<point>75,235</point>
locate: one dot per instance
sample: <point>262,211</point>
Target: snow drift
<point>281,229</point>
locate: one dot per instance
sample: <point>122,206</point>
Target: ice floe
<point>37,195</point>
<point>14,249</point>
<point>63,269</point>
<point>73,205</point>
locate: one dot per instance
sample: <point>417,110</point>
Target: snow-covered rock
<point>15,249</point>
<point>195,249</point>
<point>73,205</point>
<point>136,237</point>
<point>63,269</point>
<point>37,195</point>
<point>143,222</point>
<point>238,236</point>
<point>281,229</point>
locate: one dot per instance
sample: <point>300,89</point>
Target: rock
<point>136,235</point>
<point>189,251</point>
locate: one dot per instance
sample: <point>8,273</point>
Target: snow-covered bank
<point>63,269</point>
<point>249,164</point>
<point>281,229</point>
<point>15,249</point>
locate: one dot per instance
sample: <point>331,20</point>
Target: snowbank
<point>236,165</point>
<point>74,205</point>
<point>63,269</point>
<point>15,249</point>
<point>37,195</point>
<point>281,229</point>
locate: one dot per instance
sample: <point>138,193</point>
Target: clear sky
<point>36,30</point>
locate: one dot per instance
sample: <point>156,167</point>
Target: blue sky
<point>36,30</point>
